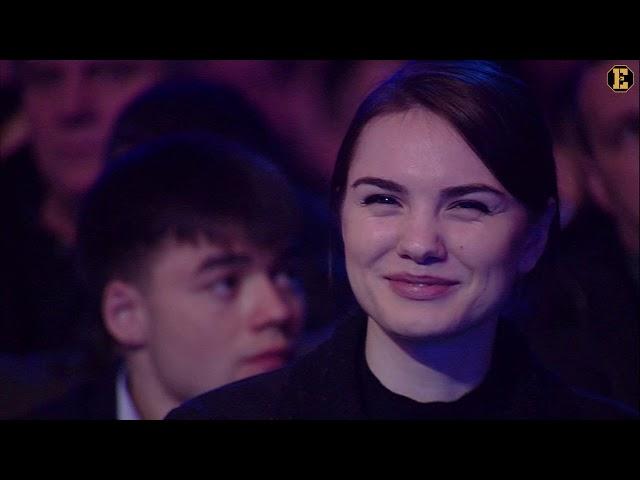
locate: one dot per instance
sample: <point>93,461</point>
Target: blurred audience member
<point>184,247</point>
<point>309,103</point>
<point>551,82</point>
<point>586,326</point>
<point>609,123</point>
<point>13,128</point>
<point>64,110</point>
<point>70,106</point>
<point>28,381</point>
<point>570,156</point>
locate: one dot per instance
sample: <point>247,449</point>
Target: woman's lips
<point>415,287</point>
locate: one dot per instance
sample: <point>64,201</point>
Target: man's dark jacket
<point>92,400</point>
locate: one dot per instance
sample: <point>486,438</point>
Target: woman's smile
<point>423,287</point>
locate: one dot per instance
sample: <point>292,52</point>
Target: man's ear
<point>125,314</point>
<point>537,236</point>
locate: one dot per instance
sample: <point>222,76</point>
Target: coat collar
<point>326,384</point>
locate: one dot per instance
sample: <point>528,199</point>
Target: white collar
<point>125,408</point>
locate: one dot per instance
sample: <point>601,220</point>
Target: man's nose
<point>420,239</point>
<point>272,309</point>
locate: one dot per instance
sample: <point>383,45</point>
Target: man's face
<point>72,106</point>
<point>611,121</point>
<point>218,314</point>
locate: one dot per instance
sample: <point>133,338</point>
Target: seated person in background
<point>183,246</point>
<point>585,324</point>
<point>71,106</point>
<point>308,102</point>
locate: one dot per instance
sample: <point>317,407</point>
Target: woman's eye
<point>380,199</point>
<point>472,205</point>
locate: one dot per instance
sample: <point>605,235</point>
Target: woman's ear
<point>537,236</point>
<point>124,314</point>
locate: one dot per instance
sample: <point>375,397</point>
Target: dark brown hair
<point>496,114</point>
<point>493,111</point>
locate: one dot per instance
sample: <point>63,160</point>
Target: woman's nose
<point>420,240</point>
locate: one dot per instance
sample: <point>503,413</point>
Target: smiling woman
<point>445,193</point>
<point>437,252</point>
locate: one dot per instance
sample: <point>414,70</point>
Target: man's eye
<point>224,287</point>
<point>629,130</point>
<point>286,278</point>
<point>380,199</point>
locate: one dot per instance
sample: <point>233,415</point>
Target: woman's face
<point>433,241</point>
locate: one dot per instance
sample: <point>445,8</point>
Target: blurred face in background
<point>611,123</point>
<point>71,106</point>
<point>299,102</point>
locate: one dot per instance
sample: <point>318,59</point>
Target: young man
<point>184,243</point>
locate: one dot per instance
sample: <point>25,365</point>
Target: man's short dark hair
<point>184,187</point>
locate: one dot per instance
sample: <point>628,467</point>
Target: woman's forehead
<point>416,146</point>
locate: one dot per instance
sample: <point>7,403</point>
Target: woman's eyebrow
<point>381,183</point>
<point>449,192</point>
<point>461,190</point>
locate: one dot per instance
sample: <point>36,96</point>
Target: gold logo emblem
<point>620,78</point>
